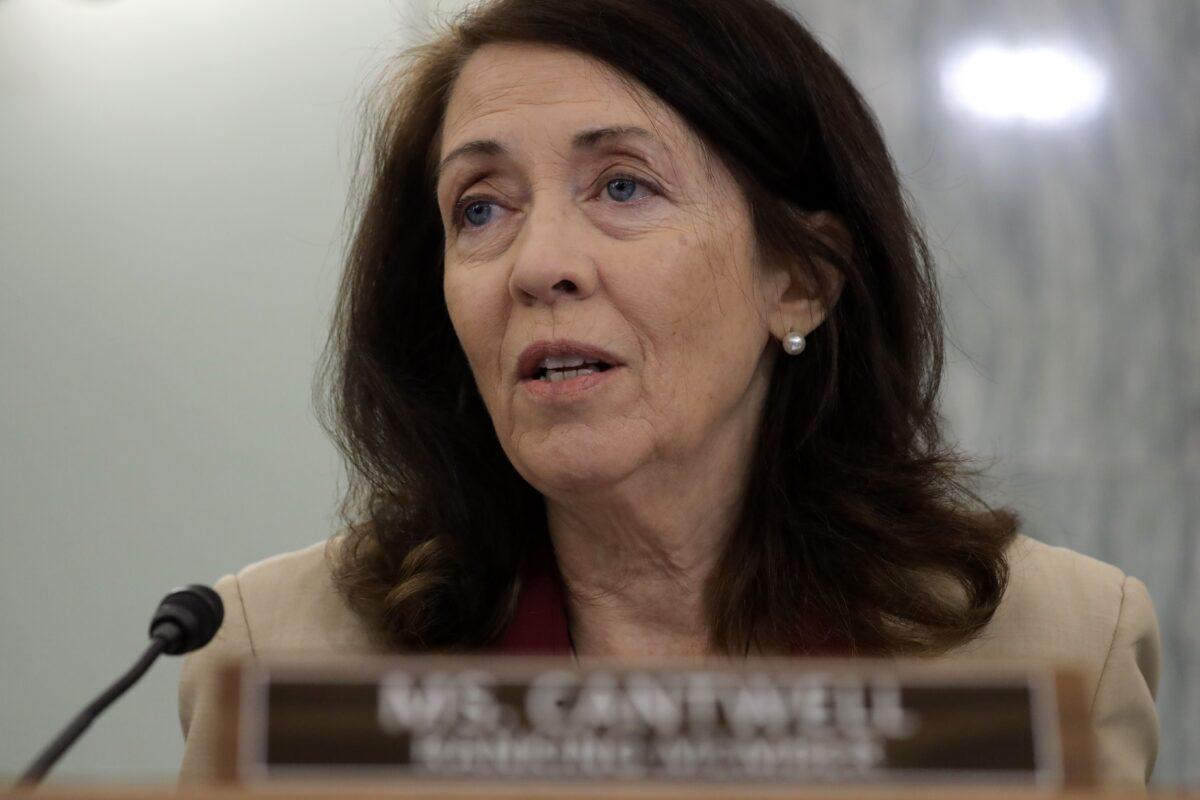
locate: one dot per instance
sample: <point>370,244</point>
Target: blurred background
<point>173,188</point>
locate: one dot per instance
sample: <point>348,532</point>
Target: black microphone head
<point>187,619</point>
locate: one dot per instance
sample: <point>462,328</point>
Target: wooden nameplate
<point>778,723</point>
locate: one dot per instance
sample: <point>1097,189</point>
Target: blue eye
<point>479,219</point>
<point>628,182</point>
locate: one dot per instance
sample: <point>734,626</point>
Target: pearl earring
<point>793,343</point>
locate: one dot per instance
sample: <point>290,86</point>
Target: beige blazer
<point>1060,607</point>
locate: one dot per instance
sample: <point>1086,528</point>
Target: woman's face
<point>567,240</point>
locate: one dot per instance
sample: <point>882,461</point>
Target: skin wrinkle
<point>644,480</point>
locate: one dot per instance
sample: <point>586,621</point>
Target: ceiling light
<point>1036,84</point>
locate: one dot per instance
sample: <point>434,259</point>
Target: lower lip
<point>568,389</point>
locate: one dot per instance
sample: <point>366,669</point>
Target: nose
<point>550,264</point>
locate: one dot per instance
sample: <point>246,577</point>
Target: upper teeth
<point>567,362</point>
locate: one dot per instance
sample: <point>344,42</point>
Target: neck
<point>635,559</point>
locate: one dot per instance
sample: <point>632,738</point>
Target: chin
<point>574,462</point>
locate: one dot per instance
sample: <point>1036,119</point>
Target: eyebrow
<point>584,140</point>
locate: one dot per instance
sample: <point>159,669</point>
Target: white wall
<point>172,183</point>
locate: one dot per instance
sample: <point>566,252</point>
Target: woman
<point>638,351</point>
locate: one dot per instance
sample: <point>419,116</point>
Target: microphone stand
<point>185,620</point>
<point>38,769</point>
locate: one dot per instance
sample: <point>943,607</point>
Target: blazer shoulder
<point>1059,605</point>
<point>1041,572</point>
<point>283,604</point>
<point>1068,609</point>
<point>291,604</point>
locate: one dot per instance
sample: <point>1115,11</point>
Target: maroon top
<point>539,624</point>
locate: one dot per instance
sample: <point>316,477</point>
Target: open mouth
<point>564,369</point>
<point>563,360</point>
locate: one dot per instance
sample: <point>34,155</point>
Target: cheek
<point>477,309</point>
<point>702,333</point>
<point>695,303</point>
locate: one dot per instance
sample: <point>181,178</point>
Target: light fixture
<point>1039,84</point>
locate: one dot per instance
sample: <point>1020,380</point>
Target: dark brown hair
<point>857,513</point>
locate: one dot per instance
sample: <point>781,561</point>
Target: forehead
<point>514,91</point>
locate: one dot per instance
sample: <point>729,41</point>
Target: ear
<point>798,301</point>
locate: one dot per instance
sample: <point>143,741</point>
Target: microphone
<point>186,620</point>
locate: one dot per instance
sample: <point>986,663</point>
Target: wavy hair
<point>857,511</point>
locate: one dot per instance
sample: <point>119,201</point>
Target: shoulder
<point>284,604</point>
<point>289,603</point>
<point>1059,605</point>
<point>1068,609</point>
